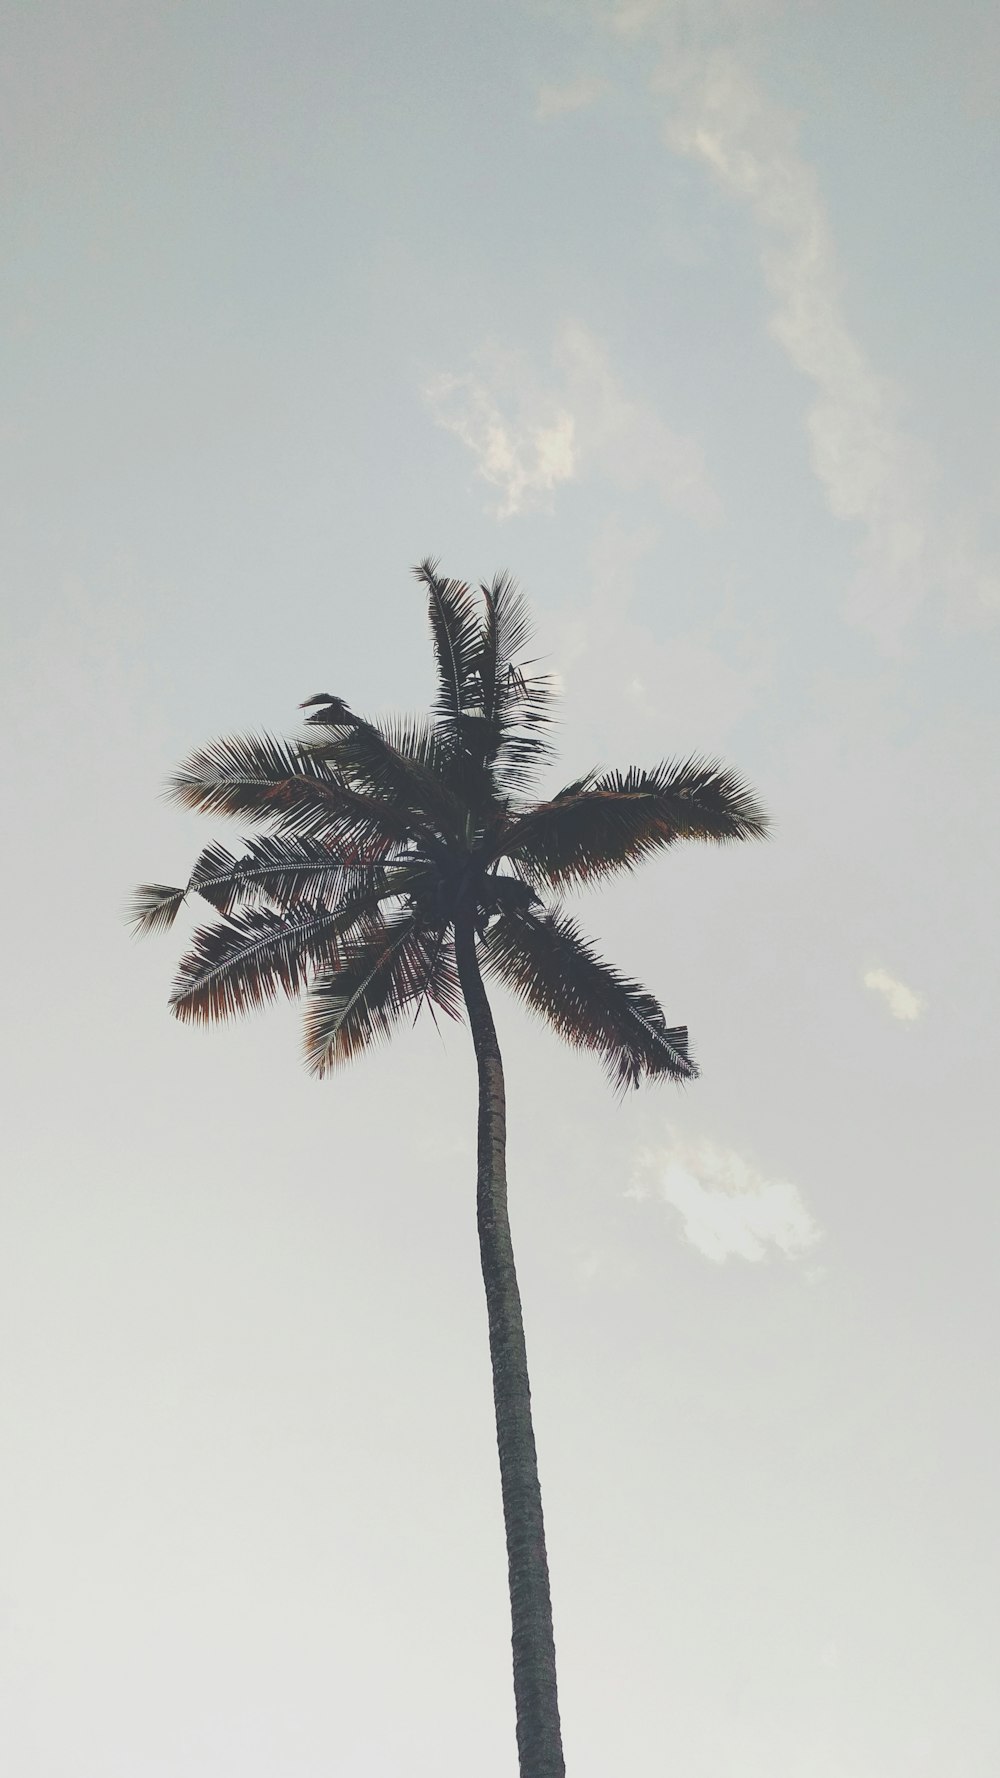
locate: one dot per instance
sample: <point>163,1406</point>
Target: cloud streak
<point>873,473</point>
<point>727,1207</point>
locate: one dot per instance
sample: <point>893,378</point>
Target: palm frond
<point>401,762</point>
<point>281,869</point>
<point>608,823</point>
<point>251,957</point>
<point>381,973</point>
<point>253,775</point>
<point>154,908</point>
<point>330,711</point>
<point>507,630</point>
<point>517,704</point>
<point>526,708</point>
<point>547,962</point>
<point>456,628</point>
<point>290,786</point>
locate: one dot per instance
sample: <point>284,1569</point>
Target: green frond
<point>518,705</point>
<point>610,822</point>
<point>251,957</point>
<point>153,908</point>
<point>256,775</point>
<point>526,713</point>
<point>456,627</point>
<point>292,788</point>
<point>507,630</point>
<point>400,762</point>
<point>549,965</point>
<point>380,975</point>
<point>281,869</point>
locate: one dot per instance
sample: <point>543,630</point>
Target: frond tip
<point>154,908</point>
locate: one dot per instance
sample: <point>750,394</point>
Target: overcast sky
<point>685,312</point>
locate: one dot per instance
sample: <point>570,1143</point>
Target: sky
<point>684,312</point>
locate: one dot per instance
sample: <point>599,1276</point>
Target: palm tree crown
<point>378,839</point>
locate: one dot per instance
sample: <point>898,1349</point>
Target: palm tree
<point>397,862</point>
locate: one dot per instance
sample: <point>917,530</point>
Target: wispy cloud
<point>726,1205</point>
<point>522,441</point>
<point>873,473</point>
<point>573,95</point>
<point>531,430</point>
<point>903,1002</point>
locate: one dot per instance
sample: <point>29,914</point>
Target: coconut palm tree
<point>396,863</point>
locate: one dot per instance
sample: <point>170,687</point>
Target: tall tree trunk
<point>539,1743</point>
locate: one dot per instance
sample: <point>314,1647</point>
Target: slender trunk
<point>539,1743</point>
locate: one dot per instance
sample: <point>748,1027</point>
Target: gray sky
<point>686,314</point>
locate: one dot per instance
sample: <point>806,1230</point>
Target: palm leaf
<point>290,786</point>
<point>400,762</point>
<point>604,824</point>
<point>281,869</point>
<point>518,705</point>
<point>526,707</point>
<point>381,973</point>
<point>331,711</point>
<point>250,957</point>
<point>154,908</point>
<point>506,632</point>
<point>456,628</point>
<point>549,965</point>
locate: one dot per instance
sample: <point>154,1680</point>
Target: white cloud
<point>529,432</point>
<point>522,444</point>
<point>903,1002</point>
<point>726,1205</point>
<point>870,471</point>
<point>557,101</point>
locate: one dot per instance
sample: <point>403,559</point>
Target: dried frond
<point>329,711</point>
<point>549,965</point>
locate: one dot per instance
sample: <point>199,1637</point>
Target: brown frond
<point>251,957</point>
